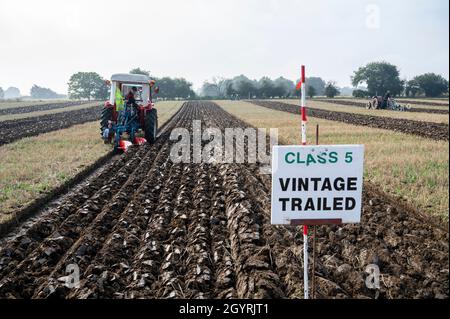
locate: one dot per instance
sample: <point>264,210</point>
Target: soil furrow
<point>42,260</point>
<point>41,107</point>
<point>13,130</point>
<point>39,228</point>
<point>92,238</point>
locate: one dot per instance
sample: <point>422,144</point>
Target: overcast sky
<point>44,42</point>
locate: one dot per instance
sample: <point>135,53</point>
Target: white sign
<point>317,182</point>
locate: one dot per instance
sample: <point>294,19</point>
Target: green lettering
<point>321,159</point>
<point>310,159</point>
<point>286,158</point>
<point>333,157</point>
<point>299,160</point>
<point>349,157</point>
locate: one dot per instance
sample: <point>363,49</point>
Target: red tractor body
<point>131,116</point>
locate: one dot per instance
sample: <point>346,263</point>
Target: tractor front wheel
<point>151,126</point>
<point>372,104</point>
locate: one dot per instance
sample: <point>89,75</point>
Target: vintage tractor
<point>379,102</point>
<point>129,112</point>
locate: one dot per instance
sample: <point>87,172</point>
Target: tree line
<point>36,92</point>
<point>10,93</point>
<point>90,85</point>
<point>376,78</point>
<point>382,77</point>
<point>241,87</point>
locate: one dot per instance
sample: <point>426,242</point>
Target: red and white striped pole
<point>303,106</point>
<point>305,227</point>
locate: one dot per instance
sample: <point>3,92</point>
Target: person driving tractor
<point>131,100</point>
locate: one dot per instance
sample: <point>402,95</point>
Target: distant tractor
<point>380,102</point>
<point>129,112</point>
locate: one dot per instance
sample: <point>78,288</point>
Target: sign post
<point>305,227</point>
<point>315,185</point>
<point>313,288</point>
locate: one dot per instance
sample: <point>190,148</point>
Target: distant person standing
<point>386,98</point>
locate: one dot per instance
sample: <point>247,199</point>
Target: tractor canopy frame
<point>139,80</point>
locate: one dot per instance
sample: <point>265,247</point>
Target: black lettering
<point>351,183</point>
<point>303,184</point>
<point>326,186</point>
<point>284,185</point>
<point>325,202</point>
<point>309,204</point>
<point>339,184</point>
<point>338,203</point>
<point>350,203</point>
<point>296,203</point>
<point>283,203</point>
<point>316,181</point>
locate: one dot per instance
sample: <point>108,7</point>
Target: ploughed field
<point>436,131</point>
<point>412,109</point>
<point>11,130</point>
<point>39,107</point>
<point>145,226</point>
<point>430,102</point>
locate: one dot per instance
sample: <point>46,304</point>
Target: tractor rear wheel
<point>375,104</point>
<point>151,126</point>
<point>107,115</point>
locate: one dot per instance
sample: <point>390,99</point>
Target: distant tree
<point>38,92</point>
<point>360,93</point>
<point>283,87</point>
<point>2,94</point>
<point>243,86</point>
<point>139,71</point>
<point>167,87</point>
<point>380,77</point>
<point>331,89</point>
<point>183,89</point>
<point>102,93</point>
<point>12,93</point>
<point>265,88</point>
<point>226,88</point>
<point>210,89</point>
<point>317,83</point>
<point>412,88</point>
<point>175,88</point>
<point>311,91</point>
<point>432,84</point>
<point>86,85</point>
